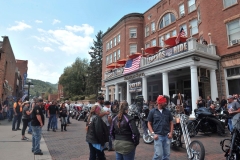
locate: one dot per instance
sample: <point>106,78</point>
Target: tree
<point>95,66</point>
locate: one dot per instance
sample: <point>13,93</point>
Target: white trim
<point>233,77</point>
<point>226,81</point>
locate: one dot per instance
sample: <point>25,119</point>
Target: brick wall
<point>52,97</point>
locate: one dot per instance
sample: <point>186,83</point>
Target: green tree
<point>95,66</point>
<point>50,90</point>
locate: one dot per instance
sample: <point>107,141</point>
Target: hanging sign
<point>135,87</point>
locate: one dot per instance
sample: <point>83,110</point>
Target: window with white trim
<point>107,59</point>
<point>228,3</point>
<point>181,10</point>
<point>118,54</point>
<point>153,27</point>
<point>146,31</point>
<point>147,45</point>
<point>153,42</point>
<point>184,26</point>
<point>118,38</point>
<point>133,33</point>
<point>199,15</point>
<point>191,5</point>
<point>166,20</point>
<point>174,33</point>
<point>133,48</point>
<point>194,24</point>
<point>233,30</point>
<point>167,36</point>
<point>115,41</point>
<point>161,42</point>
<point>110,44</point>
<point>110,58</point>
<point>114,56</point>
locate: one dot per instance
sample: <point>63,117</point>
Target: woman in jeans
<point>25,118</point>
<point>63,115</point>
<point>125,133</point>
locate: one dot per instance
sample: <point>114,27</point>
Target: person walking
<point>17,108</point>
<point>67,105</point>
<point>63,115</point>
<point>37,124</point>
<point>25,118</point>
<point>52,113</point>
<point>125,134</point>
<point>96,139</point>
<point>160,126</point>
<point>10,109</point>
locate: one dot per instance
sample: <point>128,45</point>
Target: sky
<point>51,34</point>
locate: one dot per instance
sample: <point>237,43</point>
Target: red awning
<point>171,41</point>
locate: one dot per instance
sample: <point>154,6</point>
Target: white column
<point>165,83</point>
<point>116,92</point>
<point>194,89</point>
<point>121,94</point>
<point>144,88</point>
<point>213,84</point>
<point>107,94</point>
<point>128,94</point>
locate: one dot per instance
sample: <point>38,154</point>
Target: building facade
<point>208,63</point>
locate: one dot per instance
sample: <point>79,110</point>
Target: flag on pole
<point>24,96</point>
<point>180,34</point>
<point>132,65</point>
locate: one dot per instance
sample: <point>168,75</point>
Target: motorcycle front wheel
<point>197,150</point>
<point>147,138</point>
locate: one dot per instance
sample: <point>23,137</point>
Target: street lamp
<point>27,86</point>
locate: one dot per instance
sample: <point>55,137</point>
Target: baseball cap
<point>230,97</point>
<point>161,99</point>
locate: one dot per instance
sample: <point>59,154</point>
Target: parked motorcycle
<point>231,146</point>
<point>83,112</point>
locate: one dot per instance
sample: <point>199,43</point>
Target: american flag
<point>132,65</point>
<point>180,34</point>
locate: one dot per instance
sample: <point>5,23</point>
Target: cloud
<point>19,27</point>
<point>55,21</point>
<point>87,29</point>
<point>41,71</point>
<point>45,49</point>
<point>38,21</point>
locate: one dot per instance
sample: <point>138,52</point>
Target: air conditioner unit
<point>182,14</point>
<point>235,41</point>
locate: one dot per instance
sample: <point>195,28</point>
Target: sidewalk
<point>12,147</point>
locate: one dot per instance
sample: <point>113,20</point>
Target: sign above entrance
<point>183,47</point>
<point>114,72</point>
<point>135,87</point>
<point>136,75</point>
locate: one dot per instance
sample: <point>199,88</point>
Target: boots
<point>65,127</point>
<point>61,127</point>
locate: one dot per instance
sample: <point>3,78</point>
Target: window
<point>167,36</point>
<point>107,59</point>
<point>191,5</point>
<point>184,26</point>
<point>114,56</point>
<point>167,19</point>
<point>153,42</point>
<point>161,42</point>
<point>147,45</point>
<point>194,24</point>
<point>133,48</point>
<point>110,58</point>
<point>115,41</point>
<point>118,54</point>
<point>110,44</point>
<point>233,72</point>
<point>174,33</point>
<point>133,32</point>
<point>228,3</point>
<point>199,15</point>
<point>233,29</point>
<point>153,27</point>
<point>146,31</point>
<point>181,10</point>
<point>118,38</point>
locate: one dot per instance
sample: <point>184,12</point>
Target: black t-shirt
<point>223,102</point>
<point>37,111</point>
<point>64,112</point>
<point>52,109</point>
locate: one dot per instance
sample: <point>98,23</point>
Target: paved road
<point>71,145</point>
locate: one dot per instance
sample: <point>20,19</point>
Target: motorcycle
<point>231,147</point>
<point>83,112</point>
<point>202,123</point>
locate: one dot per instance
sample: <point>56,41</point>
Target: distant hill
<point>42,87</point>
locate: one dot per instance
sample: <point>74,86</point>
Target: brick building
<point>192,67</point>
<point>21,76</point>
<point>7,68</point>
<point>60,92</point>
<point>52,97</point>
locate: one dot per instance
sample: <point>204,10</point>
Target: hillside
<point>42,87</point>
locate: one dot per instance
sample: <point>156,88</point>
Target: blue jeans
<point>29,127</point>
<point>10,114</point>
<point>110,139</point>
<point>17,118</point>
<point>230,125</point>
<point>36,137</point>
<point>52,121</point>
<point>129,156</point>
<point>161,148</point>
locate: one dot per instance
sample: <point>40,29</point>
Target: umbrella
<point>152,50</point>
<point>132,56</point>
<point>114,65</point>
<point>122,61</point>
<point>171,41</point>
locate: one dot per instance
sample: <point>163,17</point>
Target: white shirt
<point>105,117</point>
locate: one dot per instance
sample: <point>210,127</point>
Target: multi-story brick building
<point>208,63</point>
<point>22,67</point>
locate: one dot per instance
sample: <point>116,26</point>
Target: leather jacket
<point>127,131</point>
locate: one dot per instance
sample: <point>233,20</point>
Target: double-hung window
<point>153,27</point>
<point>161,42</point>
<point>184,26</point>
<point>181,10</point>
<point>228,3</point>
<point>133,48</point>
<point>146,31</point>
<point>133,32</point>
<point>194,24</point>
<point>233,30</point>
<point>118,54</point>
<point>191,5</point>
<point>153,42</point>
<point>114,56</point>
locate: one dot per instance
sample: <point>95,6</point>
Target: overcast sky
<point>50,34</point>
